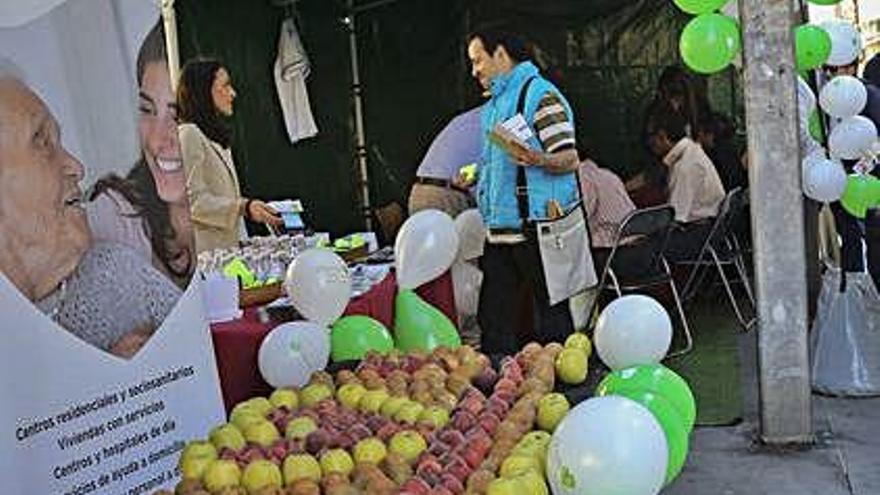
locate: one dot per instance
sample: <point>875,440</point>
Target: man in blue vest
<point>511,262</point>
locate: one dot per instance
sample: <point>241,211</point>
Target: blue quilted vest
<point>496,186</point>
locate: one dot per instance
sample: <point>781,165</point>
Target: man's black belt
<point>445,184</point>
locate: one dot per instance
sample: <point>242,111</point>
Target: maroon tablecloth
<point>237,342</point>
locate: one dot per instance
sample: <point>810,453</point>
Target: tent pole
<point>360,138</point>
<point>777,207</point>
<point>171,45</point>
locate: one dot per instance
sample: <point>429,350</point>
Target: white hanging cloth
<point>291,70</point>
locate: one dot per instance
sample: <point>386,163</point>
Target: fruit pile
<point>411,424</point>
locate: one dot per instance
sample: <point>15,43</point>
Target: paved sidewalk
<point>729,461</point>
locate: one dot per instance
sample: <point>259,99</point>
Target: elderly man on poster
<point>105,294</point>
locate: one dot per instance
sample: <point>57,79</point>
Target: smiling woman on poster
<point>104,294</point>
<point>204,97</point>
<point>147,210</point>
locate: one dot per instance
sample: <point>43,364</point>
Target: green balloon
<point>697,7</point>
<point>815,127</point>
<point>709,42</point>
<point>824,2</point>
<point>672,423</point>
<point>353,336</point>
<point>812,46</point>
<point>862,192</point>
<point>654,378</point>
<point>418,325</point>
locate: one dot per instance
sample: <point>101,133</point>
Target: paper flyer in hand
<point>512,135</point>
<point>107,366</point>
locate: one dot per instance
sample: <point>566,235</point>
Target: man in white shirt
<point>695,190</point>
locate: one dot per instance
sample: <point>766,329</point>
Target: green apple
<point>263,434</point>
<point>336,461</point>
<point>519,463</point>
<point>372,400</point>
<point>284,397</point>
<point>532,482</point>
<point>228,436</point>
<point>409,413</point>
<point>200,449</point>
<point>391,406</point>
<point>408,444</point>
<point>300,427</point>
<point>242,417</point>
<point>579,340</point>
<point>261,474</point>
<point>551,409</point>
<point>435,415</point>
<point>221,474</point>
<point>299,466</point>
<point>571,366</point>
<point>314,393</point>
<point>259,404</point>
<point>192,468</point>
<point>350,394</point>
<point>507,486</point>
<point>370,450</point>
<point>534,444</point>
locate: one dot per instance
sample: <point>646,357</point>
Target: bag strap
<point>522,183</point>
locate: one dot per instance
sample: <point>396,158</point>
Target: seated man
<point>458,144</point>
<point>607,205</point>
<point>695,190</point>
<point>105,294</point>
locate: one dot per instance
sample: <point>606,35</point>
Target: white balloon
<point>633,330</point>
<point>319,285</point>
<point>846,42</point>
<point>806,98</point>
<point>466,282</point>
<point>471,234</point>
<point>843,96</point>
<point>426,246</point>
<point>607,446</point>
<point>852,138</point>
<point>292,352</point>
<point>824,179</point>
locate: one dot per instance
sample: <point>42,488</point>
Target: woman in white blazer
<point>204,97</point>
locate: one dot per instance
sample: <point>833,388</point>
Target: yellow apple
<point>221,474</point>
<point>336,461</point>
<point>533,483</point>
<point>507,486</point>
<point>200,449</point>
<point>350,394</point>
<point>391,406</point>
<point>409,413</point>
<point>314,393</point>
<point>370,450</point>
<point>284,397</point>
<point>519,463</point>
<point>261,474</point>
<point>228,436</point>
<point>579,340</point>
<point>259,404</point>
<point>263,434</point>
<point>192,468</point>
<point>372,400</point>
<point>299,466</point>
<point>435,415</point>
<point>408,444</point>
<point>242,417</point>
<point>300,427</point>
<point>551,409</point>
<point>571,366</point>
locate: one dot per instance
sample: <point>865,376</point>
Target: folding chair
<point>636,260</point>
<point>721,249</point>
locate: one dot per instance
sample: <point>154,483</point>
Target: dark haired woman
<point>204,97</point>
<point>148,210</point>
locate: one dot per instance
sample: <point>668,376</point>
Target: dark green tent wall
<point>605,55</point>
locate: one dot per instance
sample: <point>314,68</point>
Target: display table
<point>237,342</point>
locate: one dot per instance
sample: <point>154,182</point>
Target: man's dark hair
<point>493,37</point>
<point>195,103</point>
<point>674,124</point>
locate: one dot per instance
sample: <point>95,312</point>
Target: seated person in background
<point>460,143</point>
<point>607,205</point>
<point>695,190</point>
<point>105,294</point>
<point>715,135</point>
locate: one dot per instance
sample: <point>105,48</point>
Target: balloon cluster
<point>633,437</point>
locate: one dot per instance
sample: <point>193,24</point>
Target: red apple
<point>452,484</point>
<point>415,486</point>
<point>451,437</point>
<point>459,468</point>
<point>463,420</point>
<point>428,464</point>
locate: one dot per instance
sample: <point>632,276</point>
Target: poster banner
<point>106,361</point>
